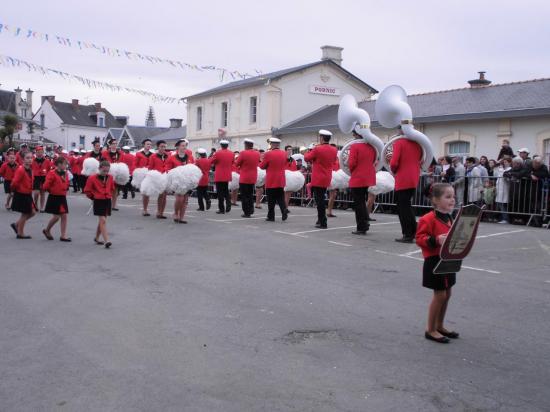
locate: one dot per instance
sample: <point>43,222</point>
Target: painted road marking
<point>339,243</point>
<point>337,228</point>
<point>258,217</point>
<point>500,234</point>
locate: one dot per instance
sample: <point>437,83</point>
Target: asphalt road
<point>231,314</point>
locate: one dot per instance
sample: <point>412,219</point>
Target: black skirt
<point>22,203</point>
<point>56,205</point>
<point>37,182</point>
<point>436,282</point>
<point>102,207</point>
<point>7,186</point>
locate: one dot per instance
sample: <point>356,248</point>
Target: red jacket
<point>222,161</point>
<point>75,163</point>
<point>7,170</point>
<point>40,168</point>
<point>56,184</point>
<point>361,164</point>
<point>204,163</point>
<point>291,165</point>
<point>115,157</point>
<point>247,163</point>
<point>130,161</point>
<point>98,156</point>
<point>405,164</point>
<point>22,181</point>
<point>99,188</point>
<point>142,160</point>
<point>158,162</point>
<point>429,228</point>
<point>322,158</point>
<point>19,158</point>
<point>190,158</point>
<point>174,161</point>
<point>274,164</point>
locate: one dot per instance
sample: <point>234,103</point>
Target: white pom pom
<point>182,179</point>
<point>138,176</point>
<point>298,156</point>
<point>340,180</point>
<point>90,166</point>
<point>234,184</point>
<point>120,173</point>
<point>154,183</point>
<point>294,181</point>
<point>260,180</point>
<point>385,183</point>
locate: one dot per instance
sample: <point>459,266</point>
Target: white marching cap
<point>224,142</point>
<point>247,140</point>
<point>524,149</point>
<point>125,147</point>
<point>185,141</point>
<point>64,152</point>
<point>200,150</point>
<point>274,140</point>
<point>324,132</point>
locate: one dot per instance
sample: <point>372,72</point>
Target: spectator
<point>447,172</point>
<point>474,175</point>
<point>460,180</point>
<point>492,166</point>
<point>489,193</point>
<point>524,154</point>
<point>503,188</point>
<point>483,161</point>
<point>539,177</point>
<point>505,150</point>
<point>517,200</point>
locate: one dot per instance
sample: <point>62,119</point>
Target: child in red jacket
<point>57,184</point>
<point>7,171</point>
<point>100,188</point>
<point>430,235</point>
<point>21,185</point>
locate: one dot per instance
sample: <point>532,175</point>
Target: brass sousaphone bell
<point>393,110</point>
<point>350,118</point>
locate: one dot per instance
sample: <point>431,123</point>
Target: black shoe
<point>161,217</point>
<point>359,232</point>
<point>442,339</point>
<point>133,195</point>
<point>14,227</point>
<point>228,208</point>
<point>245,215</point>
<point>98,242</point>
<point>370,219</point>
<point>269,220</point>
<point>23,237</point>
<point>47,234</point>
<point>200,210</point>
<point>220,212</point>
<point>451,335</point>
<point>115,209</point>
<point>108,245</point>
<point>405,239</point>
<point>125,197</point>
<point>285,215</point>
<point>287,211</point>
<point>208,206</point>
<point>65,239</point>
<point>320,226</point>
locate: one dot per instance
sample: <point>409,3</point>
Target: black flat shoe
<point>245,215</point>
<point>285,216</point>
<point>208,206</point>
<point>161,217</point>
<point>270,220</point>
<point>200,210</point>
<point>108,245</point>
<point>442,339</point>
<point>23,237</point>
<point>405,240</point>
<point>65,239</point>
<point>182,221</point>
<point>320,226</point>
<point>146,214</point>
<point>48,235</point>
<point>450,335</point>
<point>359,232</point>
<point>98,242</point>
<point>228,209</point>
<point>220,212</point>
<point>115,209</point>
<point>14,227</point>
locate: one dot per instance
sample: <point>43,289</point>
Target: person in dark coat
<point>505,150</point>
<point>539,178</point>
<point>518,198</point>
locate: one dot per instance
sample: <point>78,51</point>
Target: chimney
<point>29,99</point>
<point>122,120</point>
<point>75,102</point>
<point>97,107</point>
<point>333,53</point>
<point>481,82</point>
<point>18,101</point>
<point>175,123</point>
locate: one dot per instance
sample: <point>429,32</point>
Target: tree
<point>10,125</point>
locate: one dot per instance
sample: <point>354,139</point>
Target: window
<point>24,113</point>
<point>42,120</point>
<point>101,122</point>
<point>224,114</point>
<point>253,108</point>
<point>82,142</point>
<point>458,148</point>
<point>199,118</point>
<point>546,151</point>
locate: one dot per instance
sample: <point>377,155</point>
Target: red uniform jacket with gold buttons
<point>158,162</point>
<point>99,187</point>
<point>405,164</point>
<point>247,164</point>
<point>361,165</point>
<point>56,184</point>
<point>322,159</point>
<point>22,180</point>
<point>274,164</point>
<point>429,228</point>
<point>223,161</point>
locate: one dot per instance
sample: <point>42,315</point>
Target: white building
<point>72,125</point>
<point>253,107</point>
<point>471,121</point>
<point>13,103</point>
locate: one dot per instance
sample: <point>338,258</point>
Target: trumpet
<point>392,110</point>
<point>352,118</point>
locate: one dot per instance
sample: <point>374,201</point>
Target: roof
<point>263,78</point>
<point>508,100</point>
<point>173,133</point>
<point>139,133</point>
<point>79,115</point>
<point>7,101</point>
<point>116,132</point>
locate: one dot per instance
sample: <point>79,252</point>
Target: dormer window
<point>42,121</point>
<point>100,119</point>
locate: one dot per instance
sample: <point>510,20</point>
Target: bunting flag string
<point>115,52</point>
<point>9,61</point>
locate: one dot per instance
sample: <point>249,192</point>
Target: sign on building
<point>318,89</point>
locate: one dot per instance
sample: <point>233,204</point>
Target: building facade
<point>13,103</point>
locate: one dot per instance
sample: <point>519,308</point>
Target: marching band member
<point>188,152</point>
<point>363,174</point>
<point>292,166</point>
<point>75,165</point>
<point>158,162</point>
<point>234,168</point>
<point>204,163</point>
<point>113,155</point>
<point>405,165</point>
<point>23,148</point>
<point>7,171</point>
<point>247,163</point>
<point>223,162</point>
<point>142,160</point>
<point>80,167</point>
<point>21,185</point>
<point>334,192</point>
<point>432,232</point>
<point>57,185</point>
<point>40,168</point>
<point>99,189</point>
<point>322,158</point>
<point>130,160</point>
<point>179,158</point>
<point>96,152</point>
<point>259,190</point>
<point>274,163</point>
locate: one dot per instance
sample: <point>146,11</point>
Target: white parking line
<point>500,234</point>
<point>337,228</point>
<point>257,217</point>
<point>290,234</point>
<point>339,243</point>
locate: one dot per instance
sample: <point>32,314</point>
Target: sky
<point>422,45</point>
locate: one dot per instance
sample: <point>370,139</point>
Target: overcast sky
<point>421,45</point>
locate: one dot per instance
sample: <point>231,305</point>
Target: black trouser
<point>76,183</point>
<point>247,197</point>
<point>202,196</point>
<point>222,188</point>
<point>275,196</point>
<point>83,179</point>
<point>405,211</point>
<point>128,186</point>
<point>319,194</point>
<point>360,195</point>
